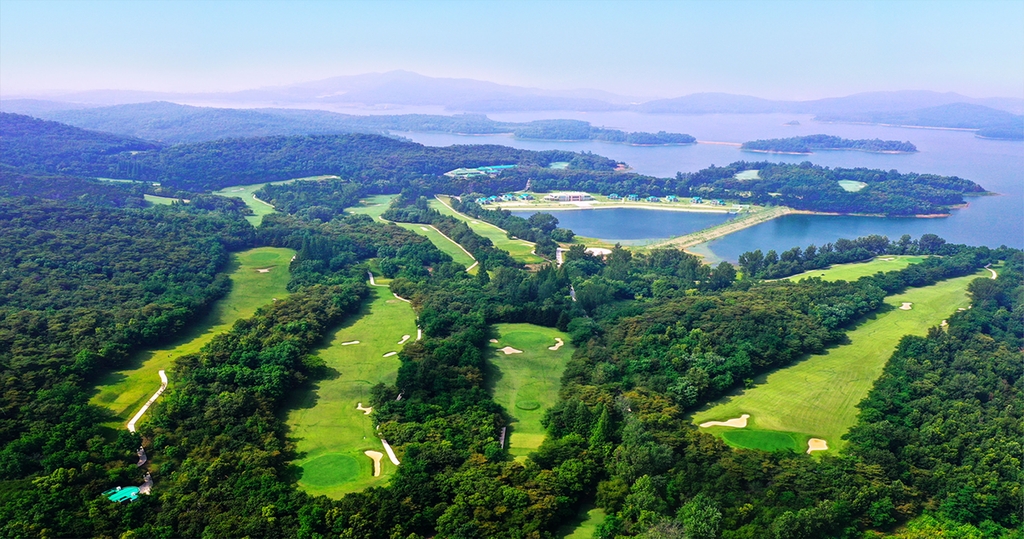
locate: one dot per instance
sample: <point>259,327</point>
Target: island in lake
<point>810,143</point>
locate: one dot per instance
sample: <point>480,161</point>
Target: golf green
<point>330,432</point>
<point>258,276</point>
<point>526,383</point>
<point>817,397</point>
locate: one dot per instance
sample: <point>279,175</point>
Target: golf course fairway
<point>328,428</point>
<point>520,250</point>
<point>526,381</point>
<point>258,207</point>
<point>854,271</point>
<point>123,392</point>
<point>817,397</point>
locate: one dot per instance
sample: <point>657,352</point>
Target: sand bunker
<point>376,456</point>
<point>389,354</point>
<point>363,409</point>
<point>419,334</point>
<point>906,306</point>
<point>349,342</point>
<point>558,344</point>
<point>509,350</point>
<point>887,259</point>
<point>944,323</point>
<point>739,423</point>
<point>264,270</point>
<point>404,338</point>
<point>495,341</point>
<point>816,444</point>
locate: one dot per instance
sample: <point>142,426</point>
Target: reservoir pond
<point>632,226</point>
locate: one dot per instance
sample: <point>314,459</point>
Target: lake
<point>632,226</point>
<point>989,220</point>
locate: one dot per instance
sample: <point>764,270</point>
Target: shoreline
<point>886,152</point>
<point>607,206</point>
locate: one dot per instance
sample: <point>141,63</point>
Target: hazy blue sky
<point>768,49</point>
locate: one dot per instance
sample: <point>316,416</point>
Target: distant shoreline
<point>891,152</point>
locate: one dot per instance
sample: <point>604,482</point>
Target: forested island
<point>810,143</point>
<point>988,122</point>
<point>91,276</point>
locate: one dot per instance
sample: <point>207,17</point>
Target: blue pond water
<point>988,220</point>
<point>632,225</point>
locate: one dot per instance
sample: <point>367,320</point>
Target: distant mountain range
<point>404,89</point>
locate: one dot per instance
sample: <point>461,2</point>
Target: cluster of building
<point>670,198</point>
<point>574,196</point>
<point>508,197</point>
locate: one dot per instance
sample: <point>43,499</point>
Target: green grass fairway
<point>324,420</point>
<point>441,242</point>
<point>124,392</point>
<point>584,525</point>
<point>259,209</point>
<point>526,384</point>
<point>852,272</point>
<point>747,175</point>
<point>851,186</point>
<point>373,206</point>
<point>163,201</point>
<point>519,249</point>
<point>817,396</point>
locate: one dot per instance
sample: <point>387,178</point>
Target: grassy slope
<point>852,272</point>
<point>329,429</point>
<point>532,377</point>
<point>125,391</point>
<point>519,249</point>
<point>584,526</point>
<point>163,201</point>
<point>817,396</point>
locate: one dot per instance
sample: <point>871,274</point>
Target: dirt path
<point>715,232</point>
<point>263,202</point>
<point>994,274</point>
<point>391,454</point>
<point>138,415</point>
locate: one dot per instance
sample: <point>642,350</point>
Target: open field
<point>373,206</point>
<point>123,392</point>
<point>519,249</point>
<point>854,271</point>
<point>259,208</point>
<point>328,428</point>
<point>153,199</point>
<point>816,397</point>
<point>526,383</point>
<point>584,525</point>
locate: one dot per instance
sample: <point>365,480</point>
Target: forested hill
<point>989,122</point>
<point>810,143</point>
<point>40,146</point>
<point>174,123</point>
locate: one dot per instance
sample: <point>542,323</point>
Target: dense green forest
<point>809,143</point>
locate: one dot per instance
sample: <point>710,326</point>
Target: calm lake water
<point>989,220</point>
<point>632,225</point>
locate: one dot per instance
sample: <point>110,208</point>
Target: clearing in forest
<point>817,397</point>
<point>526,383</point>
<point>327,422</point>
<point>854,271</point>
<point>124,392</point>
<point>521,250</point>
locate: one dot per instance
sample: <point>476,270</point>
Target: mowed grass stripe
<point>852,272</point>
<point>259,208</point>
<point>817,397</point>
<point>123,392</point>
<point>526,384</point>
<point>324,420</point>
<point>519,249</point>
